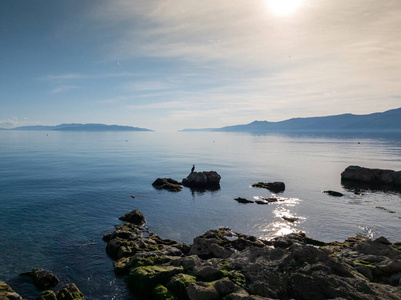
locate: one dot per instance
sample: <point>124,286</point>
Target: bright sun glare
<point>283,7</point>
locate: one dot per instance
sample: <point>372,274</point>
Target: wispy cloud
<point>63,88</point>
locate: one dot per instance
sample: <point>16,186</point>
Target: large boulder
<point>375,179</point>
<point>202,180</point>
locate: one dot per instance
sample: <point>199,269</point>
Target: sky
<point>167,65</point>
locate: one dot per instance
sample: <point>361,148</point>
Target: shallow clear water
<point>61,191</point>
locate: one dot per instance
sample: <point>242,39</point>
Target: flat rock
<point>275,187</point>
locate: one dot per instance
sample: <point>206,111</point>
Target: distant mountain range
<point>386,121</point>
<point>81,127</point>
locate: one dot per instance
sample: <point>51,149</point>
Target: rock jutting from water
<point>275,187</point>
<point>202,180</point>
<point>374,179</point>
<point>223,264</point>
<point>167,184</point>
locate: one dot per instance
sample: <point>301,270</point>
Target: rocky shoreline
<point>223,264</point>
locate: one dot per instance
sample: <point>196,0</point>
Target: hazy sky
<point>174,64</point>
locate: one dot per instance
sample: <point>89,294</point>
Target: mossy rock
<point>160,292</point>
<point>70,292</point>
<point>142,280</point>
<point>47,295</point>
<point>179,283</point>
<point>6,292</point>
<point>235,276</point>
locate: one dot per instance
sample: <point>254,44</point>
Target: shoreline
<point>223,264</point>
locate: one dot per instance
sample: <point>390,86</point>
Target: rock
<point>179,283</point>
<point>223,264</point>
<point>69,292</point>
<point>290,219</point>
<point>202,291</point>
<point>385,209</point>
<point>243,200</point>
<point>167,184</point>
<point>275,187</point>
<point>47,295</point>
<point>160,292</point>
<point>142,280</point>
<point>135,217</point>
<point>375,179</point>
<point>333,193</point>
<point>43,279</point>
<point>7,293</point>
<point>202,180</point>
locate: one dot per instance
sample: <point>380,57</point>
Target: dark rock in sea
<point>202,180</point>
<point>243,200</point>
<point>167,184</point>
<point>6,292</point>
<point>333,193</point>
<point>375,179</point>
<point>43,279</point>
<point>135,217</point>
<point>47,295</point>
<point>275,187</point>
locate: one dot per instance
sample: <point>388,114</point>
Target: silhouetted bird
<point>193,168</point>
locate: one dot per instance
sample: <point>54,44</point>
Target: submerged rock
<point>167,184</point>
<point>375,179</point>
<point>202,180</point>
<point>275,187</point>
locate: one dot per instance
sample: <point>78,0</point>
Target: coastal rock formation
<point>203,180</point>
<point>223,264</point>
<point>167,184</point>
<point>275,187</point>
<point>6,292</point>
<point>375,179</point>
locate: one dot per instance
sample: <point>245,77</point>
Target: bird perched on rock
<point>193,168</point>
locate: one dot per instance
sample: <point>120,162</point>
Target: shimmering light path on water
<point>61,191</point>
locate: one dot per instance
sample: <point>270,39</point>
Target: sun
<point>283,7</point>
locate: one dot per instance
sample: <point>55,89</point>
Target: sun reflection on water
<point>285,221</point>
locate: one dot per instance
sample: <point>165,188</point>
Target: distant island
<point>80,127</point>
<point>388,121</point>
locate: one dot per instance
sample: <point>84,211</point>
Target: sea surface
<point>60,192</point>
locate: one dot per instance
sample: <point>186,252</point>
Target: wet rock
<point>202,180</point>
<point>135,217</point>
<point>167,184</point>
<point>275,187</point>
<point>333,193</point>
<point>223,264</point>
<point>243,200</point>
<point>6,292</point>
<point>47,295</point>
<point>69,292</point>
<point>376,179</point>
<point>43,279</point>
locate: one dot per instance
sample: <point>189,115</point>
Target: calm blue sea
<point>61,191</point>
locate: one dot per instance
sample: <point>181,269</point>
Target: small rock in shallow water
<point>275,187</point>
<point>243,200</point>
<point>333,193</point>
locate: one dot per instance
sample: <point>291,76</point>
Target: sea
<point>60,192</point>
